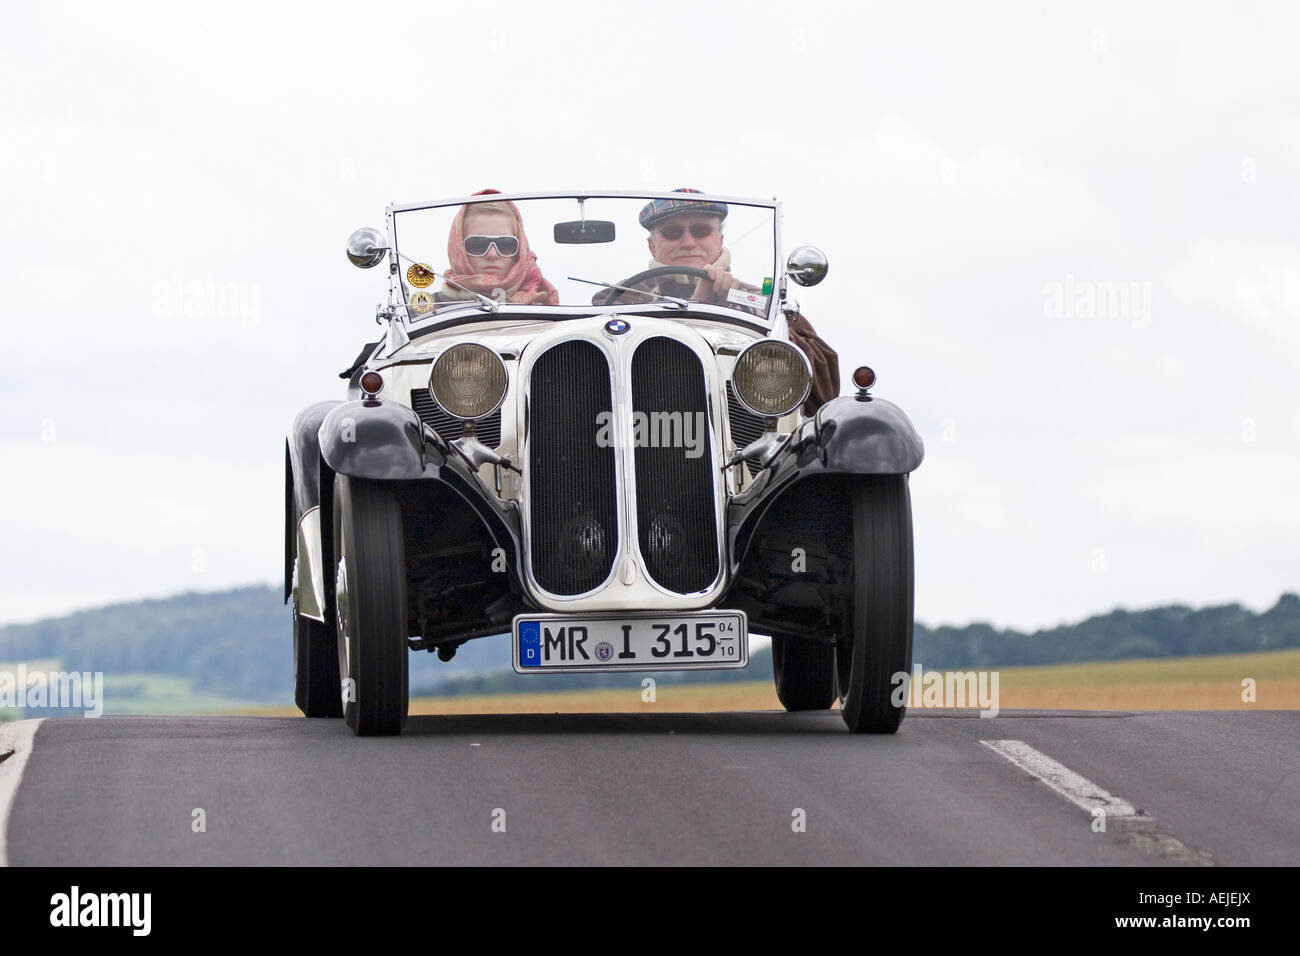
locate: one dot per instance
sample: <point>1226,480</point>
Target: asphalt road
<point>667,789</point>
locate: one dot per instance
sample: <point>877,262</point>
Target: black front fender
<point>304,454</point>
<point>377,440</point>
<point>866,437</point>
<point>847,436</point>
<point>386,441</point>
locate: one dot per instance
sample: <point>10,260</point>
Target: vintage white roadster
<point>618,466</point>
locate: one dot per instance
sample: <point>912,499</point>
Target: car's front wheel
<point>804,671</point>
<point>874,643</point>
<point>370,605</point>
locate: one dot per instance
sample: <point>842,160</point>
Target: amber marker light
<point>371,383</point>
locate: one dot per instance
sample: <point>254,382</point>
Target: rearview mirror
<point>806,265</point>
<point>366,248</point>
<point>583,231</point>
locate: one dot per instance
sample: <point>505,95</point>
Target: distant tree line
<point>238,644</point>
<point>234,643</point>
<point>1173,631</point>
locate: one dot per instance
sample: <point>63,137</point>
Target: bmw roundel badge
<point>617,326</point>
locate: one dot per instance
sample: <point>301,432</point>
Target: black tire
<point>315,660</point>
<point>370,604</point>
<point>315,669</point>
<point>879,618</point>
<point>804,672</point>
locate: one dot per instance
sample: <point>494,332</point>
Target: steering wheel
<point>610,296</point>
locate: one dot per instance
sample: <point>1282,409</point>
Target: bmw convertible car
<point>584,430</point>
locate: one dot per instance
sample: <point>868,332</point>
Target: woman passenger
<point>489,253</point>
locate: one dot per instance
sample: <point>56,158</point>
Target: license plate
<point>696,639</point>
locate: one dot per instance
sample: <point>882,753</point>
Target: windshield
<point>550,252</point>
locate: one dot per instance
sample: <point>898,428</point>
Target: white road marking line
<point>1135,826</point>
<point>16,737</point>
<point>1079,790</point>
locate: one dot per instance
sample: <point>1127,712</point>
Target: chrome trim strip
<point>310,601</point>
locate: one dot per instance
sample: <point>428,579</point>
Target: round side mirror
<point>366,248</point>
<point>807,265</point>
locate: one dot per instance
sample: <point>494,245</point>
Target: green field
<point>1187,683</point>
<point>147,694</point>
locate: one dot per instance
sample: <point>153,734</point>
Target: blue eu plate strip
<point>530,644</point>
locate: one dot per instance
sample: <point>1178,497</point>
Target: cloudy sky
<point>1066,239</point>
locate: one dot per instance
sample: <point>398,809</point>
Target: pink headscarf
<point>524,283</point>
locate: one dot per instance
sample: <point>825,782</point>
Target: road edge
<point>17,738</point>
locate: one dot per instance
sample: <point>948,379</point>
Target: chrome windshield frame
<point>397,300</point>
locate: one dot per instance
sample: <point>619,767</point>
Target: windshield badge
<point>420,276</point>
<point>617,326</point>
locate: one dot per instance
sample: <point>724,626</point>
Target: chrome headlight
<point>469,381</point>
<point>771,378</point>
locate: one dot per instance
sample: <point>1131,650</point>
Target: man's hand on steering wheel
<point>715,288</point>
<point>611,296</point>
<point>713,285</point>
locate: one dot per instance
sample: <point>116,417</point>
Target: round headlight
<point>469,381</point>
<point>771,378</point>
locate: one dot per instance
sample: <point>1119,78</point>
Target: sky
<point>1065,236</point>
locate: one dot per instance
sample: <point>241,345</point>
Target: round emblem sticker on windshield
<point>420,276</point>
<point>617,326</point>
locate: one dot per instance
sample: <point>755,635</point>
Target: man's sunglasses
<point>700,230</point>
<point>478,245</point>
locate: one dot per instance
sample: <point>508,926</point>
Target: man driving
<point>688,232</point>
